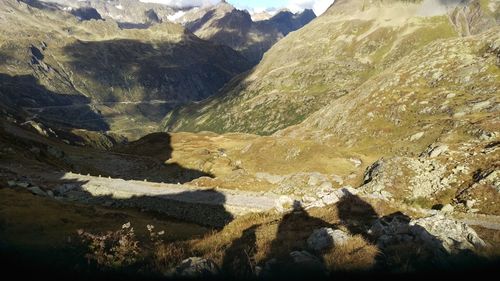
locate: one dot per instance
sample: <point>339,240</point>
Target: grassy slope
<point>327,59</point>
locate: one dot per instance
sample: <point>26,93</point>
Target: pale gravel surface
<point>121,189</point>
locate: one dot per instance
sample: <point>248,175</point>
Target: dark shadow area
<point>189,70</point>
<point>294,228</point>
<point>199,23</point>
<point>42,5</point>
<point>356,215</point>
<point>86,14</point>
<point>142,160</point>
<point>68,260</point>
<point>24,91</point>
<point>156,149</point>
<point>239,259</point>
<point>297,225</point>
<point>286,22</point>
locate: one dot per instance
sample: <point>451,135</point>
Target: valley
<point>361,143</point>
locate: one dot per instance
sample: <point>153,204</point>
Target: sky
<point>319,6</point>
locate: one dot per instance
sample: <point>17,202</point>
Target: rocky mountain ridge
<point>226,25</point>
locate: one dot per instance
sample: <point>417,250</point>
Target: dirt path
<point>122,189</point>
<point>486,221</point>
<point>210,207</point>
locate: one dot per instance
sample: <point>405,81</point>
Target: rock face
<point>86,13</point>
<point>325,238</point>
<point>438,234</point>
<point>132,12</point>
<point>226,25</point>
<point>197,268</point>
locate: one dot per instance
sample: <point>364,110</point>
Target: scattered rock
<point>417,136</point>
<point>325,238</point>
<point>284,203</point>
<point>356,162</point>
<point>326,186</point>
<point>11,183</point>
<point>37,191</point>
<point>274,179</point>
<point>481,105</point>
<point>196,267</point>
<point>470,204</point>
<point>330,199</point>
<point>437,150</point>
<point>23,184</point>
<point>438,234</point>
<point>448,209</point>
<point>337,179</point>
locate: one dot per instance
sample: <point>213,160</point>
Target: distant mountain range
<point>226,25</point>
<point>251,35</point>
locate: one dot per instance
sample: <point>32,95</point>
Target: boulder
<point>196,267</point>
<point>23,184</point>
<point>441,235</point>
<point>452,235</point>
<point>417,136</point>
<point>37,191</point>
<point>447,209</point>
<point>438,150</point>
<point>324,238</point>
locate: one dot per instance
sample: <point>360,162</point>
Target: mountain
<point>226,25</point>
<point>330,58</point>
<point>381,153</point>
<point>128,13</point>
<point>95,75</point>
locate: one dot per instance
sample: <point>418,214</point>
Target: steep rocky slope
<point>94,75</point>
<point>224,24</point>
<point>330,58</point>
<point>129,13</point>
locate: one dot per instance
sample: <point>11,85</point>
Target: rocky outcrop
<point>196,268</point>
<point>226,25</point>
<point>438,234</point>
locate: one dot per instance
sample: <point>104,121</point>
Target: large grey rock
<point>325,238</point>
<point>23,184</point>
<point>196,267</point>
<point>37,191</point>
<point>437,150</point>
<point>437,233</point>
<point>452,235</point>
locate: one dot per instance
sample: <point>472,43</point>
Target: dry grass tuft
<point>356,255</point>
